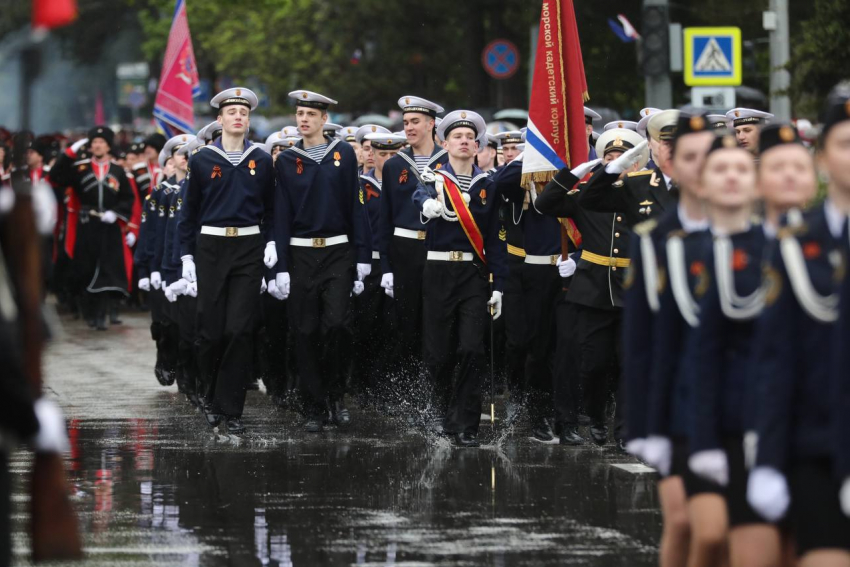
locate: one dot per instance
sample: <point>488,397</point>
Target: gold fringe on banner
<point>539,178</point>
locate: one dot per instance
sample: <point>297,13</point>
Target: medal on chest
<point>337,157</point>
<point>252,165</point>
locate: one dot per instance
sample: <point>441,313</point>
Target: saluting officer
<point>229,193</point>
<point>460,204</point>
<point>322,232</point>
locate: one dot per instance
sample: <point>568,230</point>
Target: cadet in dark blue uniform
<point>795,461</point>
<point>402,238</point>
<point>725,407</point>
<point>229,193</point>
<point>323,231</point>
<point>460,204</point>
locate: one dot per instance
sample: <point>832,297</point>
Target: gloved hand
<point>581,170</point>
<point>44,207</point>
<point>108,217</point>
<point>270,255</point>
<point>274,291</point>
<point>156,280</point>
<point>363,271</point>
<point>189,268</point>
<point>145,284</point>
<point>52,436</point>
<point>494,306</point>
<point>658,452</point>
<point>635,448</point>
<point>387,284</point>
<point>712,465</point>
<point>192,290</point>
<point>358,288</point>
<point>566,268</point>
<point>263,286</point>
<point>179,287</point>
<point>7,199</point>
<point>170,295</point>
<point>767,493</point>
<point>130,239</point>
<point>76,146</point>
<point>844,497</point>
<point>627,160</point>
<point>282,282</point>
<point>432,208</point>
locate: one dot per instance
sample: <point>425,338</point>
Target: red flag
<point>178,83</point>
<point>99,115</point>
<point>53,13</point>
<point>556,131</point>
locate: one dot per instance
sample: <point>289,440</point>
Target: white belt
<point>318,242</point>
<point>542,260</point>
<point>376,255</point>
<point>450,256</point>
<point>230,230</point>
<point>407,233</point>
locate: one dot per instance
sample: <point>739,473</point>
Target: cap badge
<point>737,114</point>
<point>374,129</point>
<point>697,123</point>
<point>238,92</point>
<point>303,95</point>
<point>463,115</point>
<point>407,101</point>
<point>619,124</point>
<point>618,141</point>
<point>786,134</point>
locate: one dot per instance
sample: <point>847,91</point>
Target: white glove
<point>635,447</point>
<point>274,291</point>
<point>844,497</point>
<point>494,306</point>
<point>192,290</point>
<point>627,160</point>
<point>358,288</point>
<point>145,284</point>
<point>432,208</point>
<point>282,283</point>
<point>7,199</point>
<point>387,283</point>
<point>712,465</point>
<point>130,239</point>
<point>44,207</point>
<point>767,493</point>
<point>179,287</point>
<point>581,170</point>
<point>156,280</point>
<point>658,452</point>
<point>75,147</point>
<point>108,217</point>
<point>52,436</point>
<point>270,255</point>
<point>170,295</point>
<point>189,268</point>
<point>566,268</point>
<point>263,286</point>
<point>363,271</point>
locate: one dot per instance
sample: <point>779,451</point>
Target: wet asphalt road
<point>155,486</point>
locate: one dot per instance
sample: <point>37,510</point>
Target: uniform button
<point>619,219</point>
<point>616,235</point>
<point>616,251</point>
<point>613,268</point>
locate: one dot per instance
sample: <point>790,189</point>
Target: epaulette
<point>139,165</point>
<point>196,150</point>
<point>641,172</point>
<point>644,228</point>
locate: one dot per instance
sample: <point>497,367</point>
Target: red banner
<point>178,83</point>
<point>53,13</point>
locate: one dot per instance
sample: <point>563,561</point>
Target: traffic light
<point>655,47</point>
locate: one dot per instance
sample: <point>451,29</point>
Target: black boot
<point>570,435</point>
<point>340,414</point>
<point>541,431</point>
<point>466,439</point>
<point>599,434</point>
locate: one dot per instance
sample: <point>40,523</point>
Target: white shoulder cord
<point>650,272</point>
<point>732,305</point>
<point>679,281</point>
<point>819,307</point>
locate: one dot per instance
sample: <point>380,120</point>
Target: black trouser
<point>273,331</point>
<point>5,510</point>
<point>516,329</point>
<point>322,279</point>
<point>455,324</point>
<point>408,261</point>
<point>370,319</point>
<point>541,285</point>
<point>187,313</point>
<point>600,341</point>
<point>230,270</point>
<point>166,357</point>
<point>567,380</point>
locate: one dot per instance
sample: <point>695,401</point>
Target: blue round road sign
<point>500,59</point>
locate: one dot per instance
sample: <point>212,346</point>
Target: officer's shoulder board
<point>639,173</point>
<point>196,150</point>
<point>644,228</point>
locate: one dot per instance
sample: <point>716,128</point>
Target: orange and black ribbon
<point>403,177</point>
<point>299,166</point>
<point>216,172</point>
<point>370,192</point>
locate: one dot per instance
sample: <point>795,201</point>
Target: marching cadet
<point>486,158</point>
<point>105,195</point>
<point>463,245</point>
<point>509,142</point>
<point>360,138</point>
<point>589,116</point>
<point>746,123</point>
<point>596,288</point>
<point>723,343</point>
<point>330,130</point>
<point>795,457</point>
<point>229,193</point>
<point>371,305</point>
<point>627,124</point>
<point>402,238</point>
<point>718,122</point>
<point>322,231</point>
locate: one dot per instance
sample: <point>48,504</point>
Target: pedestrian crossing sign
<point>713,56</point>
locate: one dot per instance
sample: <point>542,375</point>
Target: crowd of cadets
<point>684,284</point>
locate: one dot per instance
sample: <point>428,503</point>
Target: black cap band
<point>234,101</point>
<point>748,120</point>
<point>461,124</point>
<point>419,110</point>
<point>312,104</point>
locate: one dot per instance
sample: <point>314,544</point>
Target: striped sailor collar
<point>218,148</point>
<point>477,175</point>
<point>369,177</point>
<point>299,148</point>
